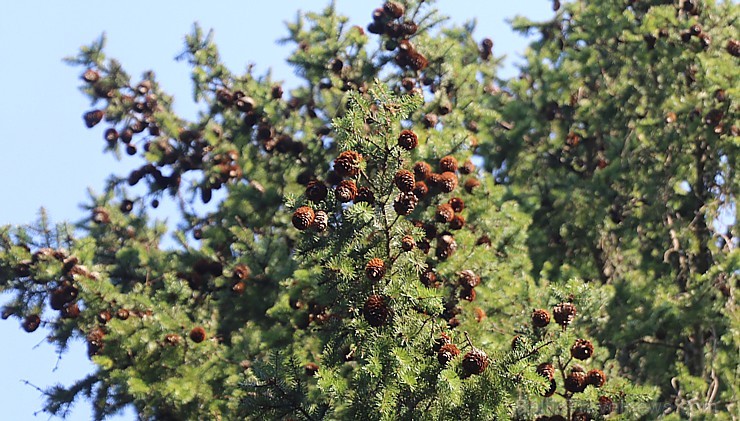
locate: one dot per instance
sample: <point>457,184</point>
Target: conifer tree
<point>341,256</point>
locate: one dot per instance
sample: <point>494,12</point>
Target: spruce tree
<point>343,254</point>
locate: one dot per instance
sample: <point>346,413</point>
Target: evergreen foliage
<point>353,262</point>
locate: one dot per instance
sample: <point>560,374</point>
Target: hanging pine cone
<point>303,218</point>
<point>471,184</point>
<point>468,294</point>
<point>540,318</point>
<point>458,221</point>
<point>364,194</point>
<point>198,334</point>
<point>582,349</point>
<point>347,164</point>
<point>444,213</point>
<point>575,382</point>
<point>606,405</point>
<point>407,243</point>
<point>422,170</point>
<point>91,76</point>
<point>405,203</point>
<point>394,9</point>
<point>546,370</point>
<point>447,181</point>
<point>31,323</point>
<point>443,339</point>
<point>93,117</point>
<point>311,369</point>
<point>468,279</point>
<point>448,164</point>
<point>316,191</point>
<point>446,246</point>
<point>430,120</point>
<point>241,271</point>
<point>404,180</point>
<point>564,313</point>
<point>428,278</point>
<point>733,47</point>
<point>467,167</point>
<point>474,362</point>
<point>420,190</point>
<point>457,204</point>
<point>447,353</point>
<point>346,191</point>
<point>595,378</point>
<point>320,221</point>
<point>408,140</point>
<point>376,310</point>
<point>375,269</point>
<point>551,391</point>
<point>486,49</point>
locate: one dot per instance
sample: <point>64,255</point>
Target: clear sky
<point>48,158</point>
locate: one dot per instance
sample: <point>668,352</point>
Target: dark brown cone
<point>468,279</point>
<point>422,170</point>
<point>316,191</point>
<point>468,294</point>
<point>575,382</point>
<point>245,104</point>
<point>444,213</point>
<point>375,269</point>
<point>31,323</point>
<point>582,349</point>
<point>394,9</point>
<point>91,76</point>
<point>446,246</point>
<point>408,140</point>
<point>420,189</point>
<point>546,370</point>
<point>100,216</point>
<point>407,243</point>
<point>474,362</point>
<point>303,218</point>
<point>447,181</point>
<point>596,378</point>
<point>429,279</point>
<point>172,339</point>
<point>551,391</point>
<point>311,369</point>
<point>405,203</point>
<point>320,221</point>
<point>346,191</point>
<point>93,117</point>
<point>404,180</point>
<point>564,313</point>
<point>581,416</point>
<point>606,405</point>
<point>448,164</point>
<point>470,184</point>
<point>447,353</point>
<point>198,334</point>
<point>122,314</point>
<point>70,311</point>
<point>347,164</point>
<point>458,221</point>
<point>540,318</point>
<point>733,47</point>
<point>364,194</point>
<point>376,310</point>
<point>441,341</point>
<point>430,120</point>
<point>457,204</point>
<point>241,271</point>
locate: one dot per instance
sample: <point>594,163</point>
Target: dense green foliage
<point>352,262</point>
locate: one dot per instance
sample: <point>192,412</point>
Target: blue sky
<point>48,158</point>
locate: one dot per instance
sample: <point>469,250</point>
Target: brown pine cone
<point>428,278</point>
<point>405,203</point>
<point>320,221</point>
<point>422,170</point>
<point>347,164</point>
<point>733,47</point>
<point>475,362</point>
<point>446,246</point>
<point>408,140</point>
<point>394,9</point>
<point>316,191</point>
<point>31,323</point>
<point>458,221</point>
<point>407,243</point>
<point>468,279</point>
<point>448,164</point>
<point>346,191</point>
<point>468,294</point>
<point>546,370</point>
<point>606,405</point>
<point>404,180</point>
<point>596,378</point>
<point>430,120</point>
<point>467,167</point>
<point>241,271</point>
<point>551,391</point>
<point>564,313</point>
<point>575,382</point>
<point>420,190</point>
<point>470,184</point>
<point>444,213</point>
<point>93,117</point>
<point>303,218</point>
<point>198,334</point>
<point>582,349</point>
<point>447,181</point>
<point>447,353</point>
<point>375,269</point>
<point>376,310</point>
<point>364,194</point>
<point>457,204</point>
<point>540,318</point>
